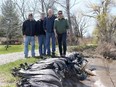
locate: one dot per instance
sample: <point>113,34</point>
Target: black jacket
<point>40,29</point>
<point>29,28</point>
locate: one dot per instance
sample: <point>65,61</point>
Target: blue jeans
<point>29,40</point>
<point>42,42</point>
<point>48,37</point>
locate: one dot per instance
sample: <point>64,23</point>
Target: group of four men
<point>46,28</point>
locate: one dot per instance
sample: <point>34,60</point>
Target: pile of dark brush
<point>52,72</point>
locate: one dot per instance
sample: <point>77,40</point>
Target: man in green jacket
<point>61,26</point>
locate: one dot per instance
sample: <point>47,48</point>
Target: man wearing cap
<point>41,36</point>
<point>61,26</point>
<point>29,32</point>
<point>49,29</point>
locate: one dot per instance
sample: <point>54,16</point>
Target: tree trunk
<point>69,20</point>
<point>68,14</point>
<point>42,5</point>
<point>7,43</point>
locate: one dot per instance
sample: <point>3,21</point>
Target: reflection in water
<point>98,83</point>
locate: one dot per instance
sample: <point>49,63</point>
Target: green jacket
<point>61,25</point>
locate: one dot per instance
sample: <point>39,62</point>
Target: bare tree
<point>21,5</point>
<point>42,5</point>
<point>80,24</point>
<point>101,12</point>
<point>33,6</point>
<point>26,6</point>
<point>105,25</point>
<point>46,4</point>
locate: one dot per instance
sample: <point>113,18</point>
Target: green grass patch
<point>81,47</point>
<point>5,71</point>
<point>11,49</point>
<point>14,48</point>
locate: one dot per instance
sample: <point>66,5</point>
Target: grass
<point>81,47</point>
<point>13,48</point>
<point>5,71</point>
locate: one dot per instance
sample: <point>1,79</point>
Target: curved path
<point>11,57</point>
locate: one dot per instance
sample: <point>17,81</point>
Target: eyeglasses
<point>59,13</point>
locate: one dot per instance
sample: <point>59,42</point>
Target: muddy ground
<point>105,73</point>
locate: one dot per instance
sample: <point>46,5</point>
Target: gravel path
<point>11,57</point>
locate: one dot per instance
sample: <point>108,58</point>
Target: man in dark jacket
<point>41,36</point>
<point>29,32</point>
<point>49,29</point>
<point>61,26</point>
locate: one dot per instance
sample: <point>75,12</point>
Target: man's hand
<point>68,32</point>
<point>56,35</point>
<point>24,36</point>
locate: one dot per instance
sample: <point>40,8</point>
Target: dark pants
<point>62,43</point>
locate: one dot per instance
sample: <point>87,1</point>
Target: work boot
<point>53,54</point>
